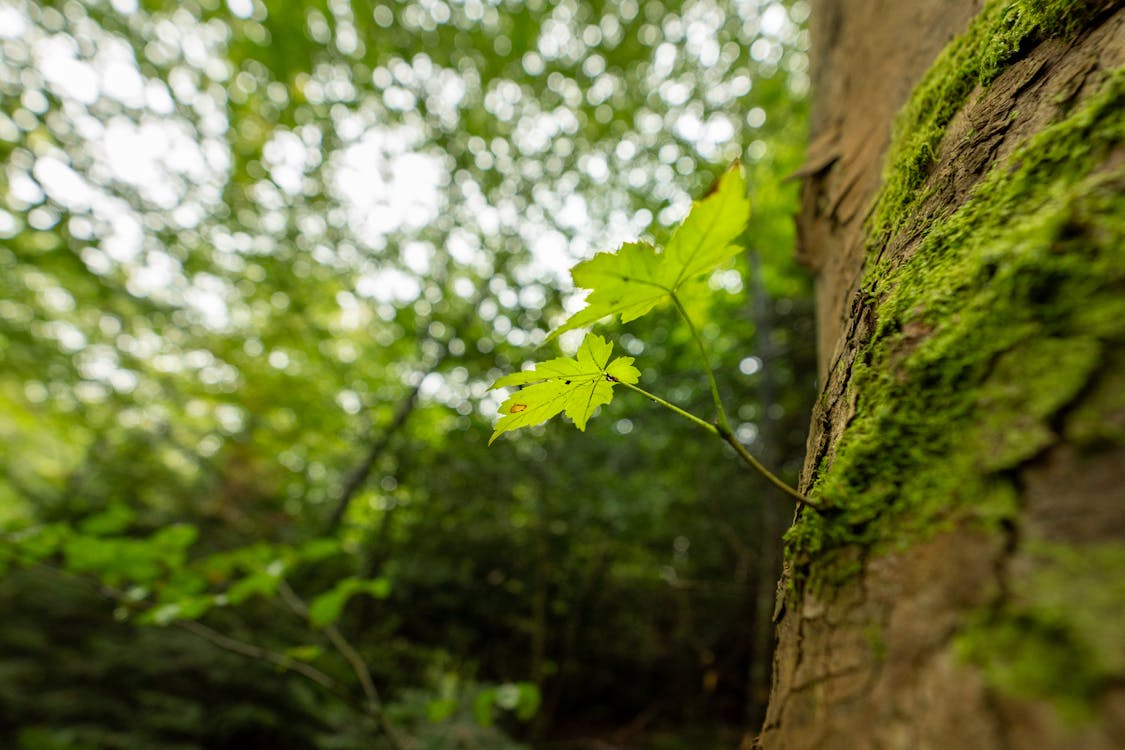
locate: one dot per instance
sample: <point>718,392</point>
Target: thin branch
<point>355,661</point>
<point>720,411</point>
<point>740,449</point>
<point>21,488</point>
<point>724,433</point>
<point>359,477</point>
<point>723,429</point>
<point>668,405</point>
<point>362,472</point>
<point>251,651</point>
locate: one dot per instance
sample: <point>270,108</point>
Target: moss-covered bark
<point>998,35</point>
<point>994,325</point>
<point>974,412</point>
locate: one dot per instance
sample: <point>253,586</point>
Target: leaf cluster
<point>626,285</point>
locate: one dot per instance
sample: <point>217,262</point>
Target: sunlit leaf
<point>318,549</point>
<point>707,237</point>
<point>507,696</point>
<point>576,386</point>
<point>188,608</point>
<point>255,584</point>
<point>637,278</point>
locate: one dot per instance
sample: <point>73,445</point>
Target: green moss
<point>1100,419</point>
<point>1027,387</point>
<point>1029,657</point>
<point>999,332</point>
<point>1058,637</point>
<point>1020,294</point>
<point>997,36</point>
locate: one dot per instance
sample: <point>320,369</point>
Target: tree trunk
<point>966,586</point>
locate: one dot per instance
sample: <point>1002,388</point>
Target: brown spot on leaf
<point>517,408</point>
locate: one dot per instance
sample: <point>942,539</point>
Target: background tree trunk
<point>967,587</point>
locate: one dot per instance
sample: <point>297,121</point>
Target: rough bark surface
<point>867,56</point>
<point>876,657</point>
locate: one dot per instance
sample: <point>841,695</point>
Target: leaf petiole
<point>668,405</point>
<point>720,411</point>
<point>724,433</point>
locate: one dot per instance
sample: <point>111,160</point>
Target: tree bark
<point>967,587</point>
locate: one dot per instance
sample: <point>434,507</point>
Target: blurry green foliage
<point>327,607</point>
<point>259,263</point>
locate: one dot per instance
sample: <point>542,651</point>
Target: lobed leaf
<point>575,386</point>
<point>637,278</point>
<point>707,237</point>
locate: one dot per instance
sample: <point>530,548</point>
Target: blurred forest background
<point>259,263</point>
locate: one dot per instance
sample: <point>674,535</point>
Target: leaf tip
<point>717,183</point>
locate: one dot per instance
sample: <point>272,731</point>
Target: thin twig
<point>355,661</point>
<point>359,477</point>
<point>251,651</point>
<point>668,405</point>
<point>719,410</point>
<point>723,428</point>
<point>405,408</point>
<point>740,449</point>
<point>724,433</point>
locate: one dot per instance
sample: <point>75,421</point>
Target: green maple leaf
<point>637,278</point>
<point>576,386</point>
